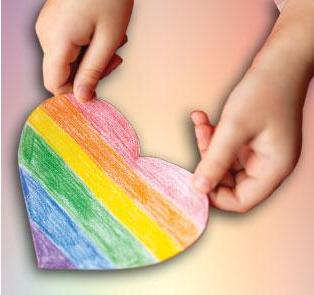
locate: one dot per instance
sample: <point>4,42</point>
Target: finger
<point>57,68</point>
<point>115,61</point>
<point>225,144</point>
<point>203,130</point>
<point>228,180</point>
<point>124,41</point>
<point>242,158</point>
<point>240,176</point>
<point>93,65</point>
<point>203,135</point>
<point>247,194</point>
<point>252,186</point>
<point>244,155</point>
<point>199,118</point>
<point>236,166</point>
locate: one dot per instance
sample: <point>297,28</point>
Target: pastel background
<point>181,55</point>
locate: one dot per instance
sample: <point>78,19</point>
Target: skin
<point>66,28</point>
<point>256,143</point>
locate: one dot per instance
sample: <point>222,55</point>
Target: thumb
<point>221,154</point>
<point>93,65</point>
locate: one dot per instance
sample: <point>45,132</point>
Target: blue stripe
<point>58,226</point>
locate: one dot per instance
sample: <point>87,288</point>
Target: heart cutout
<point>92,201</point>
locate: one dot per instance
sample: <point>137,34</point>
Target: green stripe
<point>73,195</point>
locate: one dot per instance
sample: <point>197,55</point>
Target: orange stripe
<point>68,117</point>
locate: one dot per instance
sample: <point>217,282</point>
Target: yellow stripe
<point>159,242</point>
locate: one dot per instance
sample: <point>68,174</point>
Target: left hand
<point>79,39</point>
<point>257,140</point>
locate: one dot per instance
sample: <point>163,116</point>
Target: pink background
<point>181,55</point>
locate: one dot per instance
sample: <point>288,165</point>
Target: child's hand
<point>257,141</point>
<point>65,26</point>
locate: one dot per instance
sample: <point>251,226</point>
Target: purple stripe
<point>48,255</point>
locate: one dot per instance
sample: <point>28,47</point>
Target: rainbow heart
<point>92,201</point>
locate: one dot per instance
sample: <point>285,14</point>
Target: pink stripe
<point>164,177</point>
<point>161,175</point>
<point>112,125</point>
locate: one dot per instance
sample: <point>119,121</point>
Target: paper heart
<point>92,201</point>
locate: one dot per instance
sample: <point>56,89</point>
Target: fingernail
<point>193,116</point>
<point>201,183</point>
<point>84,93</point>
<point>198,132</point>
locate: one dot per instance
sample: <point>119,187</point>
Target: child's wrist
<point>289,50</point>
<point>296,27</point>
